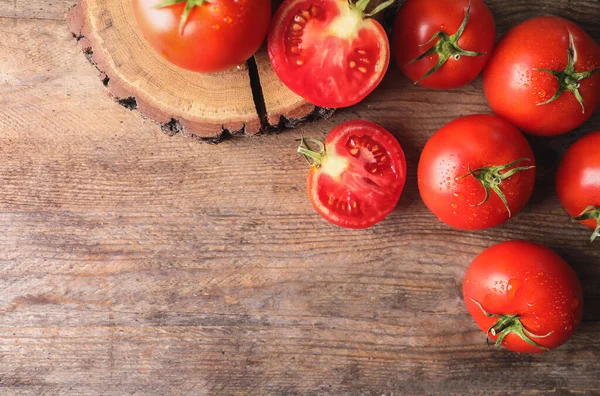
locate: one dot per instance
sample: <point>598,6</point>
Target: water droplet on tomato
<point>459,196</point>
<point>459,180</point>
<point>513,286</point>
<point>574,303</point>
<point>542,92</point>
<point>568,328</point>
<point>454,206</point>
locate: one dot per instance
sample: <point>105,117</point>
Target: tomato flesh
<point>218,35</point>
<point>528,280</point>
<point>326,52</point>
<point>578,177</point>
<point>361,178</point>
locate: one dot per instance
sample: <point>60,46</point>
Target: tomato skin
<point>515,90</point>
<point>217,36</point>
<point>327,52</point>
<point>418,20</point>
<point>373,176</point>
<point>478,141</point>
<point>578,177</point>
<point>530,280</point>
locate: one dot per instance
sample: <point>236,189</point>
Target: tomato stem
<point>446,47</point>
<point>491,177</point>
<point>569,79</point>
<point>591,212</point>
<point>361,5</point>
<point>189,5</point>
<point>507,324</point>
<point>314,158</point>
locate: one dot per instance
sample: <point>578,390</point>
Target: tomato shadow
<point>412,150</point>
<point>586,263</point>
<point>549,152</point>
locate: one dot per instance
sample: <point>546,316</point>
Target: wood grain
<point>132,263</point>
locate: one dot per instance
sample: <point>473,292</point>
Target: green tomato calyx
<point>507,324</point>
<point>591,212</point>
<point>314,158</point>
<point>361,5</point>
<point>569,79</point>
<point>446,47</point>
<point>189,6</point>
<point>491,177</point>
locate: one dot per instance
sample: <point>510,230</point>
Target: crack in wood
<point>257,93</point>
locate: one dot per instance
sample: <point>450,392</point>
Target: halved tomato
<point>328,51</point>
<point>357,176</point>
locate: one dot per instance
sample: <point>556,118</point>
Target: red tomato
<point>357,176</point>
<point>524,296</point>
<point>476,172</point>
<point>543,76</point>
<point>215,36</point>
<point>443,44</point>
<point>578,181</point>
<point>327,51</point>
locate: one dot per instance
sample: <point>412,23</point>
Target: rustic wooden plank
<point>35,9</point>
<point>134,263</point>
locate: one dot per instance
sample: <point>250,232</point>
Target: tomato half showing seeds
<point>544,76</point>
<point>443,44</point>
<point>476,172</point>
<point>524,296</point>
<point>328,51</point>
<point>578,182</point>
<point>357,175</point>
<point>204,36</point>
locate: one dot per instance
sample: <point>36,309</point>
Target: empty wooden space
<point>136,263</point>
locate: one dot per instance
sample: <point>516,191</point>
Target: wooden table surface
<point>135,263</point>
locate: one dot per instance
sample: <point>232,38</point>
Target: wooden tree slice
<point>208,106</point>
